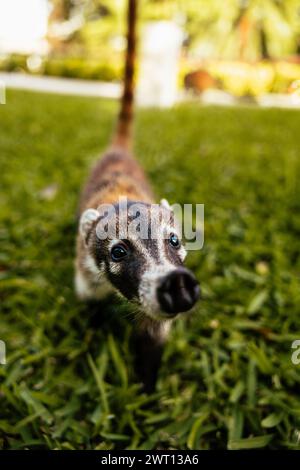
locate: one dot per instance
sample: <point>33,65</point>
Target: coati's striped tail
<point>124,124</point>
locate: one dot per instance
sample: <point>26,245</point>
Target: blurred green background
<point>245,47</point>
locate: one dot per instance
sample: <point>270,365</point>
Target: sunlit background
<point>23,26</point>
<point>247,48</point>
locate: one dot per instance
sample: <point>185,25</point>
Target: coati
<point>146,268</point>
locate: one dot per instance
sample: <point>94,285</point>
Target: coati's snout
<point>178,291</point>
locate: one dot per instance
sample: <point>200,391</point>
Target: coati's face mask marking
<point>138,249</point>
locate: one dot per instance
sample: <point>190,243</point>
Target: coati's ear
<point>87,219</point>
<point>164,203</point>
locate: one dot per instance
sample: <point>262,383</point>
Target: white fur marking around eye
<point>113,242</point>
<point>182,252</point>
<point>114,268</point>
<point>155,271</point>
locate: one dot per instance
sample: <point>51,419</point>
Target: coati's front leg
<point>149,341</point>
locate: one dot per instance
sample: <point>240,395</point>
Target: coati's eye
<point>174,241</point>
<point>118,252</point>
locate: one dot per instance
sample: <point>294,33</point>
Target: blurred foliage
<point>227,379</point>
<point>238,78</point>
<point>232,29</point>
<point>243,79</point>
<point>72,67</point>
<point>87,40</point>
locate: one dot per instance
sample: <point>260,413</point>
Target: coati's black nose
<point>178,291</point>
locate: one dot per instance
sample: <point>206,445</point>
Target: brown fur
<point>117,174</point>
<point>124,125</point>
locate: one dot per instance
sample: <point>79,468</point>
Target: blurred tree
<point>85,25</point>
<point>242,29</point>
<point>270,24</point>
<point>60,10</point>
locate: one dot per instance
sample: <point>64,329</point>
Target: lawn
<point>227,379</point>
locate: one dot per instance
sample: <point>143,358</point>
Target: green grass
<point>227,380</point>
